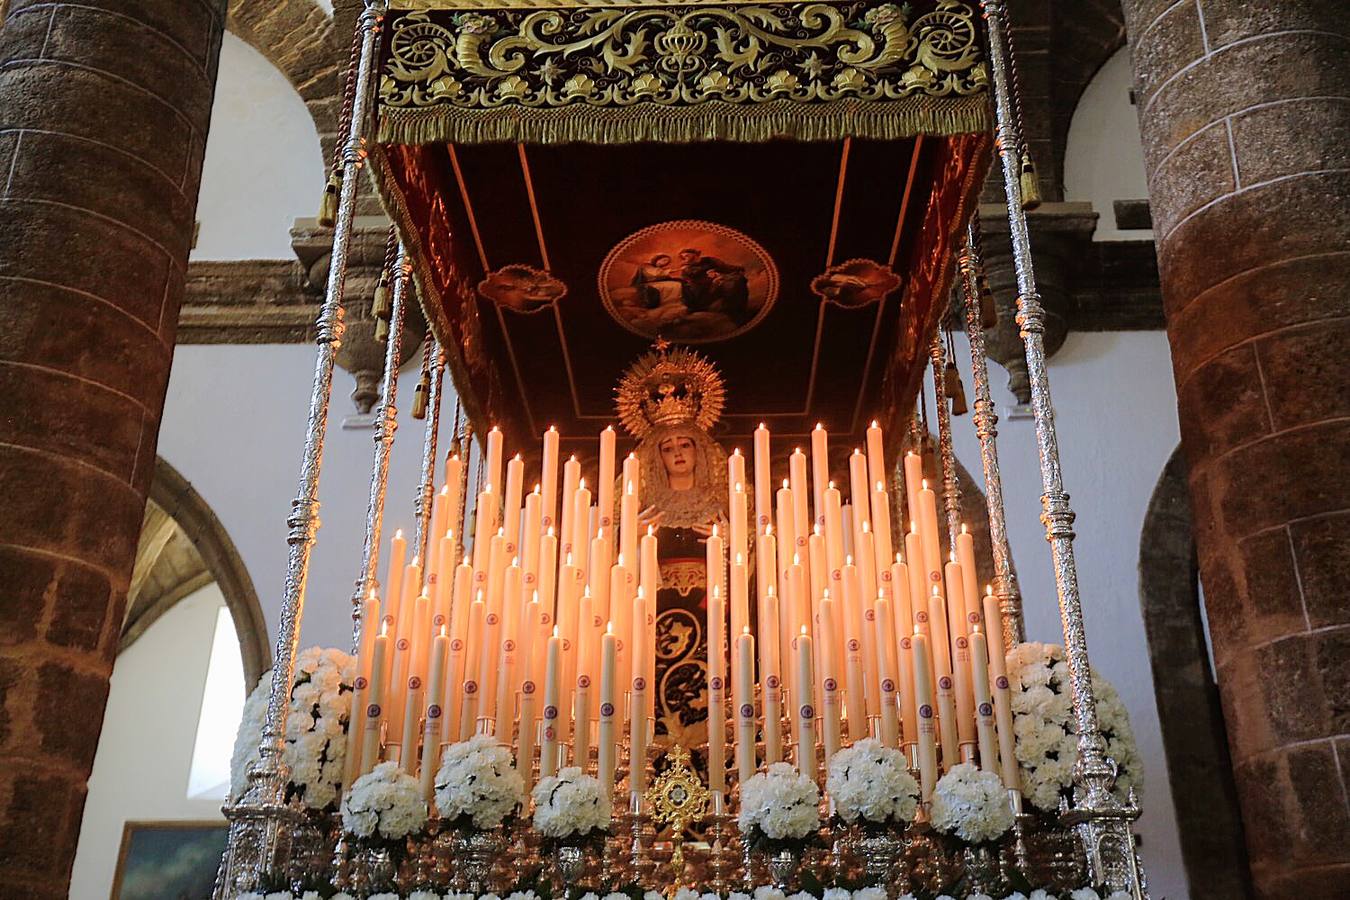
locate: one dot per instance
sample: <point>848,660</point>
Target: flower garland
<point>971,804</point>
<point>570,805</point>
<point>316,728</point>
<point>1046,734</point>
<point>478,783</point>
<point>781,804</point>
<point>386,802</point>
<point>765,892</point>
<point>871,781</point>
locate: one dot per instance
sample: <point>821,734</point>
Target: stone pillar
<point>1244,109</point>
<point>104,107</point>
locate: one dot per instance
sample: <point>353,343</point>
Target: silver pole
<point>951,496</point>
<point>986,428</point>
<point>259,838</point>
<point>1101,819</point>
<point>426,486</point>
<point>386,425</point>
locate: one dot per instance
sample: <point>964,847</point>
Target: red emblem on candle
<point>945,682</point>
<point>414,683</point>
<point>808,711</point>
<point>550,712</point>
<point>583,681</point>
<point>925,711</point>
<point>361,684</point>
<point>606,709</point>
<point>434,711</point>
<point>527,687</point>
<point>373,711</point>
<point>887,685</point>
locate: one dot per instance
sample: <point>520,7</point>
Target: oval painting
<point>688,281</point>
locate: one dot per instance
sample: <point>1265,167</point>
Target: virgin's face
<point>677,454</point>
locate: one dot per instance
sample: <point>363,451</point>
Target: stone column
<point>1244,109</point>
<point>104,107</point>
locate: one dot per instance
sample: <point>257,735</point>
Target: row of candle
<point>891,649</point>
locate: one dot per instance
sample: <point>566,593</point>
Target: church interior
<point>708,450</point>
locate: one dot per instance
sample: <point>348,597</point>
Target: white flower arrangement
<point>385,803</point>
<point>871,781</point>
<point>570,804</point>
<point>1045,733</point>
<point>971,804</point>
<point>781,804</point>
<point>478,781</point>
<point>316,728</point>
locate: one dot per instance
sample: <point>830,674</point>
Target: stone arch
<point>298,37</point>
<point>1085,36</point>
<point>184,539</point>
<point>1195,741</point>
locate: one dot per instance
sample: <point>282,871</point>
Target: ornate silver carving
<point>1102,821</point>
<point>426,484</point>
<point>951,495</point>
<point>386,424</point>
<point>986,428</point>
<point>260,823</point>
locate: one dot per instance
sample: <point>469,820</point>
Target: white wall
<point>1115,408</point>
<point>145,748</point>
<point>1104,160</point>
<point>263,168</point>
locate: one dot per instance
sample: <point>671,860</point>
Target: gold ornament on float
<point>670,386</point>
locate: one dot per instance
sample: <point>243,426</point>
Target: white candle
<point>581,697</point>
<point>529,698</point>
<point>605,490</point>
<point>771,681</point>
<point>637,719</point>
<point>492,474</point>
<point>621,617</point>
<point>459,634</point>
<point>1002,693</point>
<point>965,702</point>
<point>370,623</point>
<point>370,739</point>
<point>548,598</point>
<point>570,588</point>
<point>745,707</point>
<point>859,494</point>
<point>454,486</point>
<point>801,505</point>
<point>965,555</point>
<point>581,527</point>
<point>830,709</point>
<point>736,467</point>
<point>913,481</point>
<point>984,705</point>
<point>820,470</point>
<point>806,710</point>
<point>929,536</point>
<point>412,698</point>
<point>548,480</point>
<point>876,455</point>
<point>608,727</point>
<point>717,690</point>
<point>855,694</point>
<point>629,508</point>
<point>515,487</point>
<point>571,480</point>
<point>504,707</point>
<point>903,611</point>
<point>923,693</point>
<point>739,547</point>
<point>865,563</point>
<point>600,577</point>
<point>548,747</point>
<point>431,732</point>
<point>531,528</point>
<point>468,709</point>
<point>883,628</point>
<point>763,481</point>
<point>402,653</point>
<point>881,530</point>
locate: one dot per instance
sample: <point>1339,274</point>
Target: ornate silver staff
<point>259,836</point>
<point>1102,821</point>
<point>426,484</point>
<point>986,428</point>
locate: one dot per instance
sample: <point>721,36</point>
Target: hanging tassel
<point>381,304</point>
<point>421,397</point>
<point>1030,183</point>
<point>988,311</point>
<point>382,330</point>
<point>955,390</point>
<point>328,204</point>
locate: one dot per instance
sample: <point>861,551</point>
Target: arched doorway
<point>182,548</point>
<point>1194,739</point>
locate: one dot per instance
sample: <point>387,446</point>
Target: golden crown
<point>669,386</point>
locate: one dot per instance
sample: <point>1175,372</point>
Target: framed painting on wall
<point>168,860</point>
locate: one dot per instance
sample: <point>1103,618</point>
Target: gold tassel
<point>1030,183</point>
<point>956,391</point>
<point>988,311</point>
<point>328,204</point>
<point>381,305</point>
<point>382,330</point>
<point>421,397</point>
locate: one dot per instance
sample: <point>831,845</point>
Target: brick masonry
<point>1244,108</point>
<point>104,108</point>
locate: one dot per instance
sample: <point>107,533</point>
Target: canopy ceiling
<point>820,267</point>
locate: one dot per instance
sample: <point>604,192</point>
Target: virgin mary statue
<point>668,400</point>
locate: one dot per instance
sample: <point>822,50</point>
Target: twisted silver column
<point>386,424</point>
<point>259,837</point>
<point>1101,819</point>
<point>986,428</point>
<point>951,496</point>
<point>426,484</point>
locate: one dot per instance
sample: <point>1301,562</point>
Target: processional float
<point>683,668</point>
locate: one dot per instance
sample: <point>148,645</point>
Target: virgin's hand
<point>704,531</point>
<point>650,517</point>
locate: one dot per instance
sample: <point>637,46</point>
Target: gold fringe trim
<point>710,121</point>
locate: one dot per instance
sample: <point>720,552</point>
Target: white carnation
<point>871,781</point>
<point>316,727</point>
<point>781,802</point>
<point>1085,893</point>
<point>386,803</point>
<point>971,804</point>
<point>478,779</point>
<point>684,893</point>
<point>870,893</point>
<point>767,892</point>
<point>570,804</point>
<point>836,894</point>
